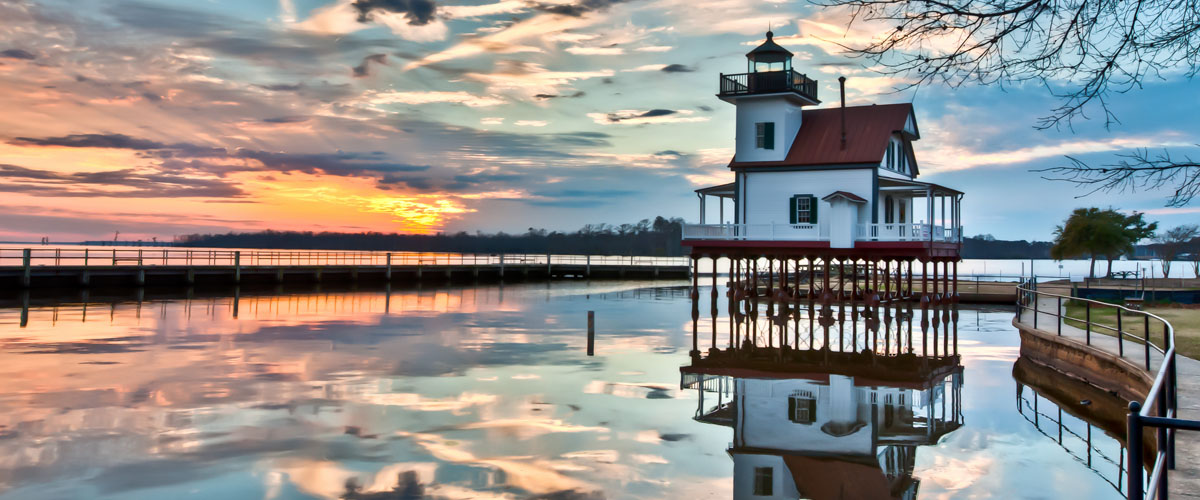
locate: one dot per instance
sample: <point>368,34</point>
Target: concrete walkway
<point>1184,480</point>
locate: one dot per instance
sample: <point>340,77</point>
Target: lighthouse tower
<point>769,98</point>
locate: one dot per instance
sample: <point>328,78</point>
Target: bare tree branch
<point>1080,51</point>
<point>1136,170</point>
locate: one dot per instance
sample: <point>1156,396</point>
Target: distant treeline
<point>660,237</point>
<point>987,247</point>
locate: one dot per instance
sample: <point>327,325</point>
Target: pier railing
<point>1160,408</point>
<point>146,257</point>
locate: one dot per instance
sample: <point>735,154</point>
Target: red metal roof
<point>819,141</point>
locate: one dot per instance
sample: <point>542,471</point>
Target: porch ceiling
<point>721,191</point>
<point>914,187</point>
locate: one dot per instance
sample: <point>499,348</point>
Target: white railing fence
<point>757,232</point>
<point>820,232</point>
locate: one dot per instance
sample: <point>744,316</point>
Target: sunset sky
<point>159,118</point>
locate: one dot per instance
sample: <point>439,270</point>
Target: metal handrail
<point>1160,407</point>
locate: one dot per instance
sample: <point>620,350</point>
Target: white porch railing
<point>756,232</point>
<point>907,232</point>
<point>820,232</point>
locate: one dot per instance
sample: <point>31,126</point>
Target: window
<point>903,207</point>
<point>889,209</point>
<point>764,481</point>
<point>764,135</point>
<point>802,408</point>
<point>803,209</point>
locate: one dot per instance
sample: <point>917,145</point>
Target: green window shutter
<point>792,211</point>
<point>769,135</point>
<point>812,206</point>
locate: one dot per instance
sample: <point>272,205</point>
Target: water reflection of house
<point>820,434</point>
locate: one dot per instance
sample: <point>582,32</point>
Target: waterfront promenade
<point>1184,480</point>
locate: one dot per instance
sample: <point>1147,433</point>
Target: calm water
<point>487,392</point>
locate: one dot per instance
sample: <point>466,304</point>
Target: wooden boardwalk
<point>83,267</point>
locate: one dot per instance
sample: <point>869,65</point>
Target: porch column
<point>943,197</point>
<point>702,198</point>
<point>721,209</point>
<point>929,205</point>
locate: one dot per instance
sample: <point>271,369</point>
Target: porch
<point>850,218</point>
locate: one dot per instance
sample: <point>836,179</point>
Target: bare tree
<point>1174,242</point>
<point>1081,51</point>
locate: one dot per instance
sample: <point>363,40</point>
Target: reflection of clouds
<point>633,390</point>
<point>526,428</point>
<point>534,475</point>
<point>422,403</point>
<point>952,474</point>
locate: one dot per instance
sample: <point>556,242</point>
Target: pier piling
<point>591,333</point>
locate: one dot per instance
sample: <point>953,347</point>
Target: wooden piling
<point>237,266</point>
<point>591,333</point>
<point>26,276</point>
<point>387,274</point>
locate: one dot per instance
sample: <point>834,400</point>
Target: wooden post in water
<point>26,272</point>
<point>141,272</point>
<point>24,308</point>
<point>591,339</point>
<point>237,266</point>
<point>387,274</point>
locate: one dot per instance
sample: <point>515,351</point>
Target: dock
<point>85,267</point>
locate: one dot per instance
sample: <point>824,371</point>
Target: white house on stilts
<point>824,184</point>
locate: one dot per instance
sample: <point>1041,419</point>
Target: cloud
<point>409,19</point>
<point>417,12</point>
<point>640,117</point>
<point>286,119</point>
<point>596,51</point>
<point>491,120</point>
<point>125,183</point>
<point>646,67</point>
<point>428,97</point>
<point>17,54</point>
<point>955,157</point>
<point>490,9</point>
<point>532,79</point>
<point>574,95</point>
<point>576,9</point>
<point>654,48</point>
<point>676,68</point>
<point>115,141</point>
<point>364,68</point>
<point>531,123</point>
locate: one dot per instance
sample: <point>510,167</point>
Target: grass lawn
<point>1185,320</point>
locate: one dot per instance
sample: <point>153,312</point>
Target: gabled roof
<point>819,141</point>
<point>851,197</point>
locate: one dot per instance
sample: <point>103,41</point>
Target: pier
<point>85,267</point>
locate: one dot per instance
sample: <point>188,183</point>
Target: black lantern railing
<point>768,82</point>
